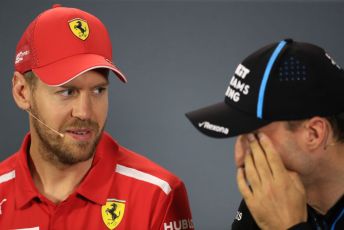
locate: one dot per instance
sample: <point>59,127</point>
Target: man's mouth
<point>80,134</point>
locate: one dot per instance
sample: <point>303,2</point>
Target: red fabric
<point>147,206</point>
<point>51,47</point>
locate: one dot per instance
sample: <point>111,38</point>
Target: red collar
<point>94,187</point>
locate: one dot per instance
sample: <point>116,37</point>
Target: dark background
<point>178,56</point>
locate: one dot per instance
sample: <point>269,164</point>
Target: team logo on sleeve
<point>80,29</point>
<point>112,212</point>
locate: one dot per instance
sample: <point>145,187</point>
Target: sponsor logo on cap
<point>237,85</point>
<point>212,127</point>
<point>79,27</point>
<point>20,56</point>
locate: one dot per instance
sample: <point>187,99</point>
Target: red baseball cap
<point>63,43</point>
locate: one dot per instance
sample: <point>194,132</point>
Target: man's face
<point>286,142</point>
<point>77,109</point>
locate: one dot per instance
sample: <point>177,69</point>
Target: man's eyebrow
<point>101,84</point>
<point>67,86</point>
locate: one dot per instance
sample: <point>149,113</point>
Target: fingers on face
<point>273,158</point>
<point>259,157</point>
<point>251,173</point>
<point>243,186</point>
<point>239,150</point>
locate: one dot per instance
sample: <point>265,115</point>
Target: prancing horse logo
<point>112,212</point>
<point>79,27</point>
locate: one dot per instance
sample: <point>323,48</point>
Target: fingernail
<point>250,137</point>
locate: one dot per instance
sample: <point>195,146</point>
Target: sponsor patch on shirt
<point>179,224</point>
<point>238,216</point>
<point>113,212</point>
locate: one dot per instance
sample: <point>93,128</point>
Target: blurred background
<point>178,56</point>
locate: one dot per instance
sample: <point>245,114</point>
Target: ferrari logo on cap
<point>112,212</point>
<point>79,28</point>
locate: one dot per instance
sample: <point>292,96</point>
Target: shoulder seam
<point>139,175</point>
<point>7,176</point>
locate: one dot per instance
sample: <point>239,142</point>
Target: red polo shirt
<point>122,190</point>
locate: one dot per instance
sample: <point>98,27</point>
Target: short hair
<point>336,122</point>
<point>31,79</point>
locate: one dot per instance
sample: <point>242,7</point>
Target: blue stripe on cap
<point>266,77</point>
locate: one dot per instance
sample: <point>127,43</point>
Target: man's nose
<point>82,108</point>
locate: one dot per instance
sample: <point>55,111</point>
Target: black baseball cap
<point>282,81</point>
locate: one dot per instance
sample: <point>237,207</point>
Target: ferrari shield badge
<point>80,29</point>
<point>112,212</point>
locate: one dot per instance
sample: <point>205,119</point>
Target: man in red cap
<point>69,173</point>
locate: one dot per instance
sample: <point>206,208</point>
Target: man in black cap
<point>285,104</point>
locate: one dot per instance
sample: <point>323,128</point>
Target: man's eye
<point>99,90</point>
<point>67,92</point>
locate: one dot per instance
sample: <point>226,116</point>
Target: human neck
<point>56,181</point>
<point>322,199</point>
<point>328,187</point>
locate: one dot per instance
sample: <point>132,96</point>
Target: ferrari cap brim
<point>65,70</point>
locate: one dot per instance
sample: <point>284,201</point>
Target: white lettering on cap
<point>237,86</point>
<point>212,127</point>
<point>242,71</point>
<point>20,56</point>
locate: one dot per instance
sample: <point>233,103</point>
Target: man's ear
<point>21,91</point>
<point>317,132</point>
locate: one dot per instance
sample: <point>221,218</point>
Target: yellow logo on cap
<point>79,28</point>
<point>112,212</point>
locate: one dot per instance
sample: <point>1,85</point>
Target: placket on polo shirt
<point>84,204</point>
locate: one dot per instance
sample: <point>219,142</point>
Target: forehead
<point>90,78</point>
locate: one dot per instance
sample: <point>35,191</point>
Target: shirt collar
<point>98,182</point>
<point>94,187</point>
<point>25,189</point>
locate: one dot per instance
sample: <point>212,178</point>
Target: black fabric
<point>301,226</point>
<point>332,220</point>
<point>244,219</point>
<point>223,121</point>
<point>303,81</point>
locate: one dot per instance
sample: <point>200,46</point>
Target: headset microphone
<point>58,133</point>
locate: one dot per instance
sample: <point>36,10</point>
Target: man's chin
<point>75,157</point>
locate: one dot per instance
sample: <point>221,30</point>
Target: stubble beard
<point>58,150</point>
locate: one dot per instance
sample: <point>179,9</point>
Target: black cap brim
<point>221,121</point>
